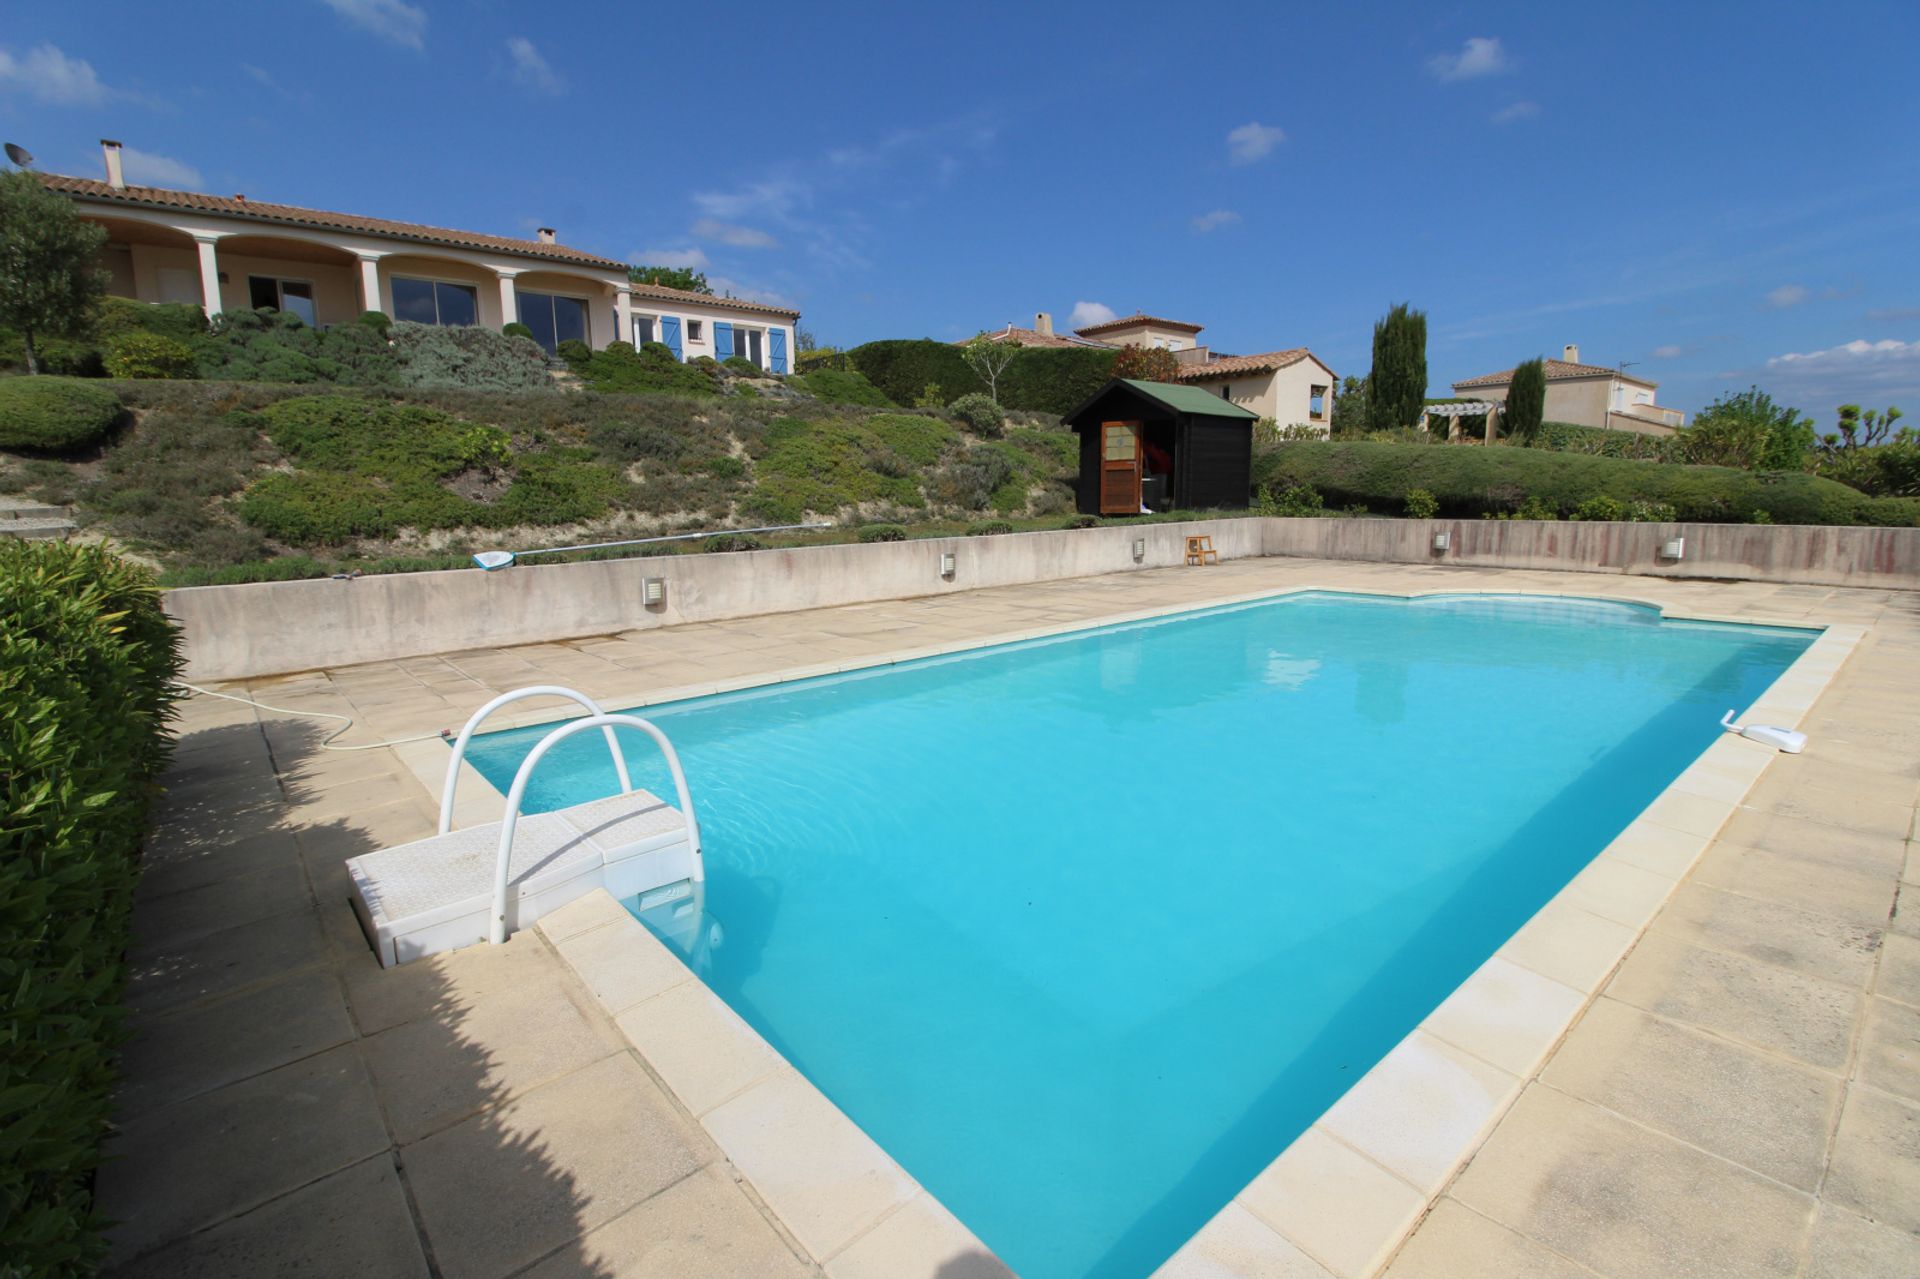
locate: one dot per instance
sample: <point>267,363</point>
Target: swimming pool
<point>1085,931</point>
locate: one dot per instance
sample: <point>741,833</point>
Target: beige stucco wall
<point>336,289</point>
<point>1285,395</point>
<point>1148,335</point>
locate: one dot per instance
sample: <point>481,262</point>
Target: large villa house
<point>1587,395</point>
<point>1292,386</point>
<point>225,253</point>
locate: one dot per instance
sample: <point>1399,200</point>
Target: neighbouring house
<point>1154,446</point>
<point>1587,395</point>
<point>225,253</point>
<point>1292,387</point>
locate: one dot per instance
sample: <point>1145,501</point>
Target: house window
<point>693,331</point>
<point>1317,403</point>
<point>643,330</point>
<point>746,345</point>
<point>552,317</point>
<point>295,297</point>
<point>434,301</point>
<point>1226,390</point>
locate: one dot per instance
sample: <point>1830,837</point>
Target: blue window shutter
<point>722,341</point>
<point>777,350</point>
<point>670,333</point>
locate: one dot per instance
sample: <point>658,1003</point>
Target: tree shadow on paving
<point>292,1107</point>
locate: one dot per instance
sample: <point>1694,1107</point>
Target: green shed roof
<point>1190,399</point>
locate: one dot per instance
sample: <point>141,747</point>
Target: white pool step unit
<point>436,894</point>
<point>482,883</point>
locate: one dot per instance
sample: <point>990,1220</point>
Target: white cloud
<point>1516,111</point>
<point>1787,295</point>
<point>776,197</point>
<point>145,169</point>
<point>1253,141</point>
<point>530,70</point>
<point>673,259</point>
<point>731,288</point>
<point>392,20</point>
<point>51,76</point>
<point>1479,56</point>
<point>1859,372</point>
<point>1215,220</point>
<point>1669,352</point>
<point>740,237</point>
<point>1087,314</point>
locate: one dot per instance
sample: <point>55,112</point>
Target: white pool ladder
<point>595,718</point>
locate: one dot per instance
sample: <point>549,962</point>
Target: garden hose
<point>325,742</point>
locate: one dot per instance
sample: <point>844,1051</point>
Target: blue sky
<point>1716,194</point>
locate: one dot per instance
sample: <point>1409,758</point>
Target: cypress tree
<point>1526,400</point>
<point>1397,386</point>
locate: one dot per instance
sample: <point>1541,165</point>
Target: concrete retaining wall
<point>272,628</point>
<point>1883,557</point>
<point>237,632</point>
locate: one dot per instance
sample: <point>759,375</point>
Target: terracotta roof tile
<point>662,293</point>
<point>1228,365</point>
<point>1139,317</point>
<point>1555,369</point>
<point>293,215</point>
<point>1033,337</point>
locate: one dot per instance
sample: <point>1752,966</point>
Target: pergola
<point>1454,412</point>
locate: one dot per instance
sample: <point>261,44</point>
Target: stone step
<point>11,509</point>
<point>37,530</point>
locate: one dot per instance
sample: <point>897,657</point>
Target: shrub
<point>743,366</point>
<point>970,482</point>
<point>827,466</point>
<point>55,414</point>
<point>1297,500</point>
<point>1565,437</point>
<point>1082,521</point>
<point>882,533</point>
<point>981,414</point>
<point>516,330</point>
<point>1601,507</point>
<point>150,355</point>
<point>575,353</point>
<point>1145,363</point>
<point>380,322</point>
<point>1476,480</point>
<point>722,542</point>
<point>86,660</point>
<point>930,397</point>
<point>274,346</point>
<point>1421,505</point>
<point>989,528</point>
<point>469,356</point>
<point>620,367</point>
<point>840,386</point>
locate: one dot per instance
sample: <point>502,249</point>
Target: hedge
<point>1471,481</point>
<point>1039,379</point>
<point>86,660</point>
<point>55,414</point>
<point>1566,437</point>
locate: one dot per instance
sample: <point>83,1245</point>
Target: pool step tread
<point>436,894</point>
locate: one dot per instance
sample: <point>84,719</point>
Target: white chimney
<point>546,235</point>
<point>1572,353</point>
<point>115,178</point>
<point>1043,324</point>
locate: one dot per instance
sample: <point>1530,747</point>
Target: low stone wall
<point>273,628</point>
<point>1810,554</point>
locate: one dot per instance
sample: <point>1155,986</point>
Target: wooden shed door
<point>1119,468</point>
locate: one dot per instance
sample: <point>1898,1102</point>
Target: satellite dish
<point>19,155</point>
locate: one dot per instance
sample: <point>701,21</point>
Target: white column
<point>370,283</point>
<point>509,304</point>
<point>623,314</point>
<point>209,275</point>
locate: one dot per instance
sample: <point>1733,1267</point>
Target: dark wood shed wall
<point>1215,466</point>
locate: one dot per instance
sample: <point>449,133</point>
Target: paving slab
<point>1847,1246</point>
<point>1876,1159</point>
<point>1457,1243</point>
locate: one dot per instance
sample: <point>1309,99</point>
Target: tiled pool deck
<point>1741,1098</point>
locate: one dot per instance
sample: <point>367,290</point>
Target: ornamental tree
<point>50,275</point>
<point>684,278</point>
<point>1397,384</point>
<point>1526,400</point>
<point>990,359</point>
<point>1145,363</point>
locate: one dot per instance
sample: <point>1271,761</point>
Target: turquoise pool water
<point>1085,931</point>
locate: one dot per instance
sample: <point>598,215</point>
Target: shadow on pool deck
<point>289,1105</point>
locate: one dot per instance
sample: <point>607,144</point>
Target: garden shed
<point>1159,447</point>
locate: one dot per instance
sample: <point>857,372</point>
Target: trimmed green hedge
<point>86,657</point>
<point>1566,437</point>
<point>55,414</point>
<point>1039,379</point>
<point>1471,481</point>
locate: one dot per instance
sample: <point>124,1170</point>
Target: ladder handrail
<point>497,932</point>
<point>532,690</point>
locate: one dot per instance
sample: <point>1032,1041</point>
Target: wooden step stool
<point>1200,550</point>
